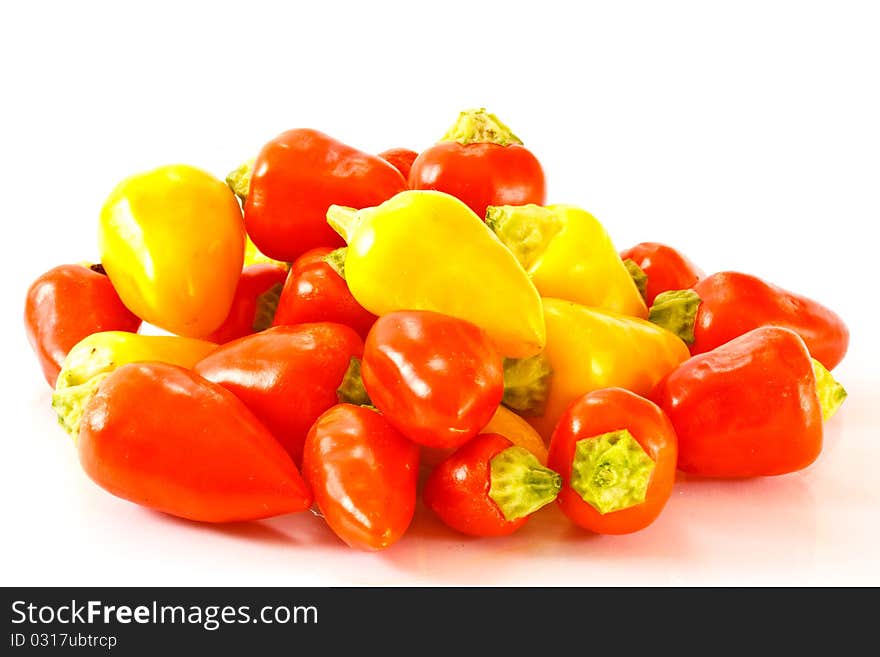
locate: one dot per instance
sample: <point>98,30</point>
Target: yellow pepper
<point>172,242</point>
<point>569,255</point>
<point>426,250</point>
<point>588,349</point>
<point>92,360</point>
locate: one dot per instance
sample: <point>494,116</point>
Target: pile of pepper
<point>346,332</point>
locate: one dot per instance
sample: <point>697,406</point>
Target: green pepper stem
<point>336,260</point>
<point>526,383</point>
<point>69,401</point>
<point>831,393</point>
<point>267,304</point>
<point>352,390</point>
<point>611,471</point>
<point>344,220</point>
<point>640,278</point>
<point>239,180</point>
<point>526,230</point>
<point>518,483</point>
<point>479,126</point>
<point>676,311</point>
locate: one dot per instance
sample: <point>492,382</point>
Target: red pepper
<point>296,177</point>
<point>753,406</point>
<point>489,487</point>
<point>363,473</point>
<point>253,306</point>
<point>286,375</point>
<point>400,158</point>
<point>481,162</point>
<point>616,453</point>
<point>67,304</point>
<point>662,267</point>
<point>437,379</point>
<point>163,437</point>
<point>728,304</point>
<point>315,291</point>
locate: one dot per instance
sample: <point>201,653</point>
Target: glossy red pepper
<point>363,473</point>
<point>728,304</point>
<point>436,378</point>
<point>315,291</point>
<point>163,437</point>
<point>616,452</point>
<point>481,162</point>
<point>663,267</point>
<point>296,177</point>
<point>750,407</point>
<point>400,158</point>
<point>67,304</point>
<point>253,306</point>
<point>489,487</point>
<point>286,375</point>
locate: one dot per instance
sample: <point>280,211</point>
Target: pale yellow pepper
<point>569,255</point>
<point>93,358</point>
<point>426,250</point>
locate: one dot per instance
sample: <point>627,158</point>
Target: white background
<point>745,133</point>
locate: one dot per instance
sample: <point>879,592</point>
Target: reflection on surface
<point>773,520</point>
<point>712,532</point>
